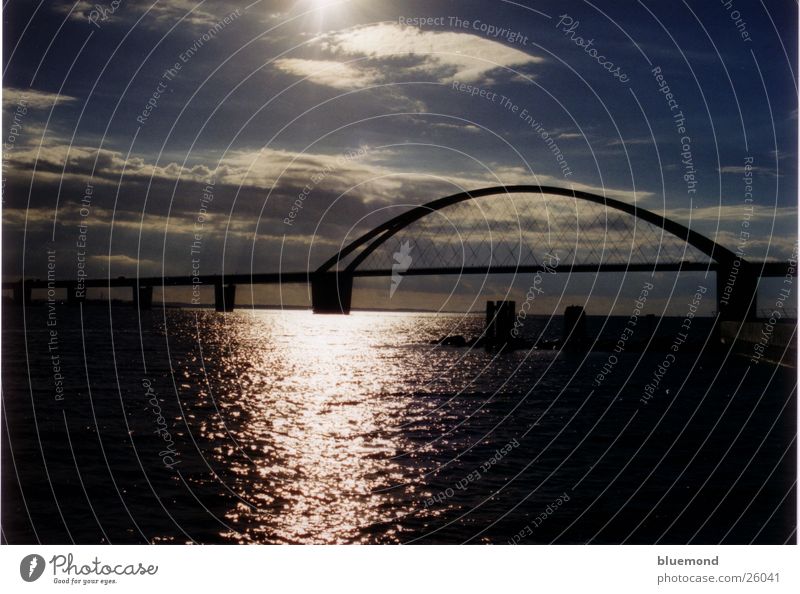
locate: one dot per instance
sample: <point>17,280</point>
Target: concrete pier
<point>500,317</point>
<point>331,293</point>
<point>736,292</point>
<point>574,332</point>
<point>224,297</point>
<point>143,297</point>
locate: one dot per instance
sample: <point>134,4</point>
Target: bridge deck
<point>763,269</point>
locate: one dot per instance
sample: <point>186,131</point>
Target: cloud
<point>191,12</point>
<point>32,99</point>
<point>772,230</point>
<point>387,52</point>
<point>520,175</point>
<point>741,170</point>
<point>161,14</point>
<point>467,57</point>
<point>369,175</point>
<point>471,128</point>
<point>330,73</point>
<point>122,262</point>
<point>58,161</point>
<point>734,214</point>
<point>77,11</point>
<point>629,141</point>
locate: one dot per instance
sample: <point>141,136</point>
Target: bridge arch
<point>332,280</point>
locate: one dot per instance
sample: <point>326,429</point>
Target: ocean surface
<point>180,426</point>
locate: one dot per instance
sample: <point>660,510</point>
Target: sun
<point>320,13</point>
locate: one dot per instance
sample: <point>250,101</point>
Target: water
<point>285,427</point>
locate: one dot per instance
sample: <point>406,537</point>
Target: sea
<point>274,427</point>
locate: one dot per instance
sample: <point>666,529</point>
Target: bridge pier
<point>737,286</point>
<point>331,293</point>
<point>574,332</point>
<point>22,293</point>
<point>224,297</point>
<point>143,297</point>
<point>500,316</point>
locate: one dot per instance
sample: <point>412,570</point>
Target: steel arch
<point>373,239</point>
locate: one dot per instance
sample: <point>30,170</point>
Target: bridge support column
<point>74,295</point>
<point>574,333</point>
<point>143,297</point>
<point>500,317</point>
<point>331,293</point>
<point>22,293</point>
<point>224,297</point>
<point>736,292</point>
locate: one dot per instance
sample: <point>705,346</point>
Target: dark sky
<point>369,105</point>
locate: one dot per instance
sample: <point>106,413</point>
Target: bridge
<point>516,230</point>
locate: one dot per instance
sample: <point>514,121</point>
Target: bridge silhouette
<point>489,231</point>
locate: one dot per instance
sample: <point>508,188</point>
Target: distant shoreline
<point>179,305</point>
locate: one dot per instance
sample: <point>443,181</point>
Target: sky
<point>173,136</point>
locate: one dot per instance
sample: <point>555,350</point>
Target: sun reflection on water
<point>318,427</point>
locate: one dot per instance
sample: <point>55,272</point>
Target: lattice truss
<point>511,230</point>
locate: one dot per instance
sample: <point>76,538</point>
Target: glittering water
<point>285,427</point>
